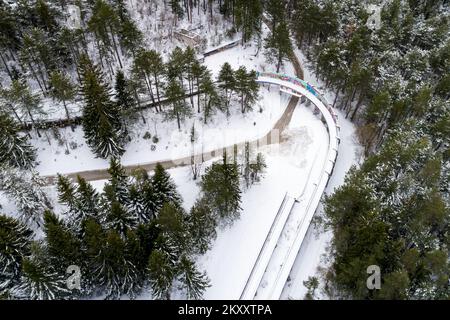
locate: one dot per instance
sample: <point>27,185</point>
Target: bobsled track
<point>280,248</point>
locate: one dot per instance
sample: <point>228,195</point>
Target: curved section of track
<point>277,255</point>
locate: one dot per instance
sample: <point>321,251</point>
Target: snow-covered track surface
<point>279,250</point>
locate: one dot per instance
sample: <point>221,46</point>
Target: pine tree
<point>210,96</point>
<point>161,272</point>
<point>39,281</point>
<point>173,237</point>
<point>220,185</point>
<point>180,110</point>
<point>119,219</point>
<point>87,202</point>
<point>124,98</point>
<point>102,123</point>
<point>278,45</point>
<point>276,12</point>
<point>66,193</point>
<point>14,149</point>
<point>247,164</point>
<point>164,189</point>
<point>20,99</point>
<point>25,190</point>
<point>62,89</point>
<point>118,181</point>
<point>63,246</point>
<point>193,281</point>
<point>246,87</point>
<point>142,197</point>
<point>226,83</point>
<point>110,268</point>
<point>148,66</point>
<point>105,25</point>
<point>257,168</point>
<point>202,226</point>
<point>15,242</point>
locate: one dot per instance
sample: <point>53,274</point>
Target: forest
<point>391,81</point>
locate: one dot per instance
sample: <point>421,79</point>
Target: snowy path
<point>272,137</point>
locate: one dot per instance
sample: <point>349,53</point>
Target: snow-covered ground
<point>172,143</point>
<point>236,248</point>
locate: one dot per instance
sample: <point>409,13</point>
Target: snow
<point>235,250</point>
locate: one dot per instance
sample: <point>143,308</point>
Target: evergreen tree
<point>25,190</point>
<point>210,96</point>
<point>124,98</point>
<point>246,87</point>
<point>87,202</point>
<point>63,246</point>
<point>193,281</point>
<point>142,197</point>
<point>220,185</point>
<point>161,274</point>
<point>102,123</point>
<point>164,189</point>
<point>202,226</point>
<point>39,281</point>
<point>20,99</point>
<point>179,110</point>
<point>62,90</point>
<point>148,66</point>
<point>278,45</point>
<point>108,262</point>
<point>226,83</point>
<point>66,193</point>
<point>14,149</point>
<point>276,12</point>
<point>15,242</point>
<point>257,168</point>
<point>119,219</point>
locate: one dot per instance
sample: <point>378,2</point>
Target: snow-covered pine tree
<point>110,270</point>
<point>257,168</point>
<point>211,99</point>
<point>118,218</point>
<point>118,181</point>
<point>62,90</point>
<point>87,201</point>
<point>62,244</point>
<point>192,280</point>
<point>24,189</point>
<point>14,148</point>
<point>39,281</point>
<point>179,110</point>
<point>124,98</point>
<point>15,242</point>
<point>161,271</point>
<point>66,193</point>
<point>220,185</point>
<point>227,84</point>
<point>278,45</point>
<point>202,226</point>
<point>246,87</point>
<point>142,197</point>
<point>22,100</point>
<point>102,121</point>
<point>164,189</point>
